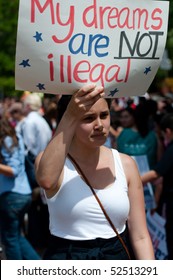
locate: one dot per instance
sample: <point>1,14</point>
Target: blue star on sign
<point>38,37</point>
<point>40,86</point>
<point>113,92</point>
<point>147,69</point>
<point>25,63</point>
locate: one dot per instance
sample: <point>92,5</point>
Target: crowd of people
<point>76,141</point>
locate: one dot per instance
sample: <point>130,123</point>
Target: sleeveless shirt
<point>74,212</point>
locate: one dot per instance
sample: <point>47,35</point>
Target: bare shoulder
<point>127,160</point>
<point>129,166</point>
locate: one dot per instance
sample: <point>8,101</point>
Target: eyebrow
<point>93,113</point>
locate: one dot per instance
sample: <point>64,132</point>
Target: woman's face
<point>126,119</point>
<point>94,127</point>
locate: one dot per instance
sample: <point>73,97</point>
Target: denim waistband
<point>98,249</point>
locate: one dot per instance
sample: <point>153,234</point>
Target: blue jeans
<point>13,207</point>
<point>95,249</point>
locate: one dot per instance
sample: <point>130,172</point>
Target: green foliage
<point>162,74</point>
<point>170,47</point>
<point>169,43</point>
<point>170,24</point>
<point>8,30</point>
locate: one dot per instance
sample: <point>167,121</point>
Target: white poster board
<point>143,167</point>
<point>62,45</point>
<point>156,227</point>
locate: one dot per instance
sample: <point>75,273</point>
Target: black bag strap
<point>101,205</point>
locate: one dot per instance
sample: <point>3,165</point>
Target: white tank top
<point>76,215</point>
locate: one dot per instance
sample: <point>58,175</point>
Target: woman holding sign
<point>92,191</point>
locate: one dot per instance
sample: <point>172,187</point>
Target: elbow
<point>44,183</point>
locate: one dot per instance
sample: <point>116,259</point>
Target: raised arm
<point>138,231</point>
<point>49,165</point>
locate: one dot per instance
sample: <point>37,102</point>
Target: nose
<point>98,125</point>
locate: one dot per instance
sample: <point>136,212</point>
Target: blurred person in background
<point>135,136</point>
<point>138,138</point>
<point>36,134</point>
<point>36,131</point>
<point>15,194</point>
<point>164,169</point>
<point>50,113</point>
<point>17,115</point>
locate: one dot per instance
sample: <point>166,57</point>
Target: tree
<point>8,30</point>
<point>162,74</point>
<point>169,44</point>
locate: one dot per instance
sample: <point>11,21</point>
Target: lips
<point>98,135</point>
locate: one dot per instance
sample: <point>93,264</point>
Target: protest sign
<point>143,167</point>
<point>156,227</point>
<point>62,45</point>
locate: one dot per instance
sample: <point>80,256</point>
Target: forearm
<point>143,249</point>
<point>149,176</point>
<point>6,170</point>
<point>52,161</point>
<point>139,236</point>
